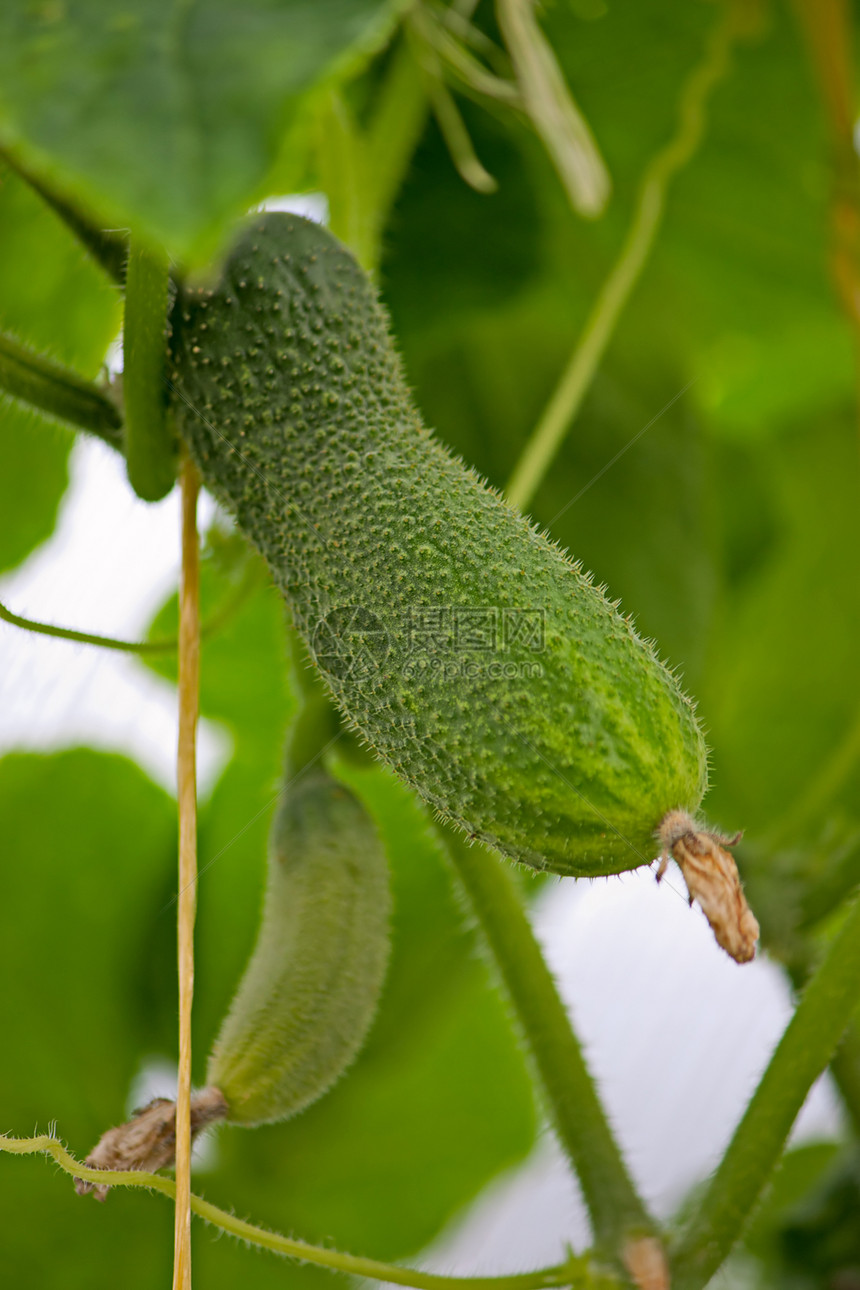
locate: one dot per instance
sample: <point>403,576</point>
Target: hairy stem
<point>186,774</point>
<point>46,385</point>
<point>579,1272</point>
<point>616,1210</point>
<point>108,247</point>
<point>150,447</point>
<point>818,1024</point>
<point>209,628</point>
<point>549,433</point>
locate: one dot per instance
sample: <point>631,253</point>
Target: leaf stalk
<point>810,1039</point>
<point>617,1213</point>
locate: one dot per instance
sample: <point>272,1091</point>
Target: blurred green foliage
<point>730,528</point>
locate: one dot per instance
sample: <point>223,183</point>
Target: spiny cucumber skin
<point>292,398</point>
<point>310,991</point>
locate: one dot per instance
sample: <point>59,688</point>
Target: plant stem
<point>550,105</point>
<point>472,73</point>
<point>149,443</point>
<point>108,247</point>
<point>186,774</point>
<point>208,628</point>
<point>86,638</point>
<point>315,728</point>
<point>579,1272</point>
<point>451,124</point>
<point>46,385</point>
<point>812,1035</point>
<point>615,1209</point>
<point>548,435</point>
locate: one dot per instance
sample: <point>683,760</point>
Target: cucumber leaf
<point>168,116</point>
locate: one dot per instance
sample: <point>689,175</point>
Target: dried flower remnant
<point>712,879</point>
<point>148,1140</point>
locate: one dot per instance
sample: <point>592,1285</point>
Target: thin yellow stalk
<point>186,768</point>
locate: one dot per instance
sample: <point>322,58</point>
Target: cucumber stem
<point>579,1272</point>
<point>167,646</point>
<point>150,447</point>
<point>54,389</point>
<point>108,247</point>
<point>819,1022</point>
<point>616,1210</point>
<point>548,435</point>
<point>315,729</point>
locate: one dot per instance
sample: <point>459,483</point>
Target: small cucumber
<point>310,991</point>
<point>462,644</point>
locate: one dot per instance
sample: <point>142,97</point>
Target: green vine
<point>109,248</point>
<point>549,433</point>
<point>578,1272</point>
<point>617,1212</point>
<point>209,628</point>
<point>819,1022</point>
<point>54,389</point>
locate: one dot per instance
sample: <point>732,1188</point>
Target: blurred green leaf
<point>783,687</point>
<point>450,226</point>
<point>34,477</point>
<point>164,116</point>
<point>738,283</point>
<point>87,841</point>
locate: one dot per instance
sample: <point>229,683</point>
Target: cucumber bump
<point>459,642</point>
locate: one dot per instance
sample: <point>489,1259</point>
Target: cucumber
<point>463,645</point>
<point>310,991</point>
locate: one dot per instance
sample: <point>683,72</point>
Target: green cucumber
<point>310,991</point>
<point>463,645</point>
